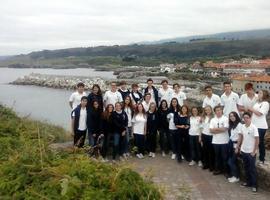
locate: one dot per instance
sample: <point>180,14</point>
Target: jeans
<point>79,138</point>
<point>126,140</point>
<point>261,144</point>
<point>208,152</point>
<point>250,169</point>
<point>232,161</point>
<point>90,139</point>
<point>195,147</point>
<point>139,142</point>
<point>116,144</point>
<point>105,146</point>
<point>221,157</point>
<point>152,141</point>
<point>164,140</point>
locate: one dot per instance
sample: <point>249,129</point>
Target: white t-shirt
<point>180,96</point>
<point>112,97</point>
<point>82,121</point>
<point>246,101</point>
<point>222,122</point>
<point>170,117</point>
<point>129,114</point>
<point>213,101</point>
<point>249,133</point>
<point>139,123</point>
<point>195,126</point>
<point>234,132</point>
<point>165,94</point>
<point>260,121</point>
<point>75,98</point>
<point>205,126</point>
<point>230,103</point>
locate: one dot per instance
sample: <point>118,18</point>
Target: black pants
<point>139,140</point>
<point>261,144</point>
<point>172,134</point>
<point>208,152</point>
<point>152,141</point>
<point>195,148</point>
<point>184,143</point>
<point>221,157</point>
<point>164,140</point>
<point>250,169</point>
<point>79,138</point>
<point>106,144</point>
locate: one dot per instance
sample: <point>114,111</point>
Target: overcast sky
<point>31,25</point>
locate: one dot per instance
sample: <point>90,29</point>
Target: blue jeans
<point>221,157</point>
<point>250,169</point>
<point>90,139</point>
<point>116,142</point>
<point>232,161</point>
<point>261,144</point>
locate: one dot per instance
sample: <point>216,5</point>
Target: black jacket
<point>94,121</point>
<point>152,122</point>
<point>120,121</point>
<point>93,97</point>
<point>163,123</point>
<point>155,93</point>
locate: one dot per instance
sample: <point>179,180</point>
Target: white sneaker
<point>163,154</point>
<point>141,155</point>
<point>192,163</point>
<point>150,154</point>
<point>173,156</point>
<point>200,164</point>
<point>138,156</point>
<point>153,155</point>
<point>183,158</point>
<point>233,180</point>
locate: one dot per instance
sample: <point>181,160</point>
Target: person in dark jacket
<point>151,129</point>
<point>163,127</point>
<point>79,123</point>
<point>95,95</point>
<point>123,89</point>
<point>135,95</point>
<point>120,122</point>
<point>152,90</point>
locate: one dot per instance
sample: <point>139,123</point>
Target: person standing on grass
<point>95,95</point>
<point>174,109</point>
<point>139,129</point>
<point>135,95</point>
<point>219,128</point>
<point>79,123</point>
<point>152,127</point>
<point>229,99</point>
<point>178,94</point>
<point>248,145</point>
<point>210,99</point>
<point>106,129</point>
<point>123,89</point>
<point>163,127</point>
<point>235,127</point>
<point>260,111</point>
<point>152,90</point>
<point>165,92</point>
<point>248,99</point>
<point>112,96</point>
<point>207,137</point>
<point>195,137</point>
<point>120,123</point>
<point>181,120</point>
<point>75,98</point>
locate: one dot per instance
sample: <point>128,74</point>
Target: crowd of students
<point>212,136</point>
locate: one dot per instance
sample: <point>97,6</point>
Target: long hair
<point>233,125</point>
<point>99,90</point>
<point>184,106</point>
<point>172,109</point>
<point>204,113</point>
<point>106,114</point>
<point>137,110</point>
<point>130,105</point>
<point>160,105</point>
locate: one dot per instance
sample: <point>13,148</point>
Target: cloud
<point>52,24</point>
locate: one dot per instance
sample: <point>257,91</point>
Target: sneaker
<point>254,189</point>
<point>244,185</point>
<point>233,179</point>
<point>138,156</point>
<point>173,156</point>
<point>150,154</point>
<point>163,154</point>
<point>141,155</point>
<point>153,155</point>
<point>261,163</point>
<point>200,164</point>
<point>182,157</point>
<point>192,163</point>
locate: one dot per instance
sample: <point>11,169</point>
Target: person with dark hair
<point>79,123</point>
<point>210,99</point>
<point>234,131</point>
<point>248,99</point>
<point>165,92</point>
<point>95,95</point>
<point>135,95</point>
<point>146,102</point>
<point>181,140</point>
<point>163,127</point>
<point>229,99</point>
<point>106,129</point>
<point>207,137</point>
<point>151,129</point>
<point>120,122</point>
<point>139,121</point>
<point>123,89</point>
<point>219,128</point>
<point>248,145</point>
<point>112,96</point>
<point>260,111</point>
<point>151,90</point>
<point>75,98</point>
<point>174,109</point>
<point>178,94</point>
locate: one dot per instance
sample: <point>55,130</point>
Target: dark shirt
<point>152,122</point>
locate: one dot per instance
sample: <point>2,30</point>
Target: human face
<point>184,110</point>
<point>176,88</point>
<point>150,84</point>
<point>164,105</point>
<point>118,107</point>
<point>153,107</point>
<point>260,95</point>
<point>80,89</point>
<point>165,85</point>
<point>208,92</point>
<point>174,103</point>
<point>110,108</point>
<point>127,100</point>
<point>113,86</point>
<point>227,88</point>
<point>219,112</point>
<point>250,92</point>
<point>84,102</point>
<point>194,111</point>
<point>140,108</point>
<point>124,87</point>
<point>95,90</point>
<point>208,110</point>
<point>135,89</point>
<point>147,98</point>
<point>95,104</point>
<point>232,117</point>
<point>247,119</point>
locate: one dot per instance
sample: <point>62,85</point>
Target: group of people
<point>212,136</point>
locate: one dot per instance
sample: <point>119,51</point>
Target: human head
<point>263,95</point>
<point>96,89</point>
<point>83,101</point>
<point>176,87</point>
<point>249,88</point>
<point>218,111</point>
<point>208,90</point>
<point>184,110</point>
<point>208,110</point>
<point>149,82</point>
<point>95,104</point>
<point>80,87</point>
<point>123,85</point>
<point>113,86</point>
<point>227,85</point>
<point>139,109</point>
<point>194,111</point>
<point>109,108</point>
<point>247,118</point>
<point>152,107</point>
<point>118,106</point>
<point>174,104</point>
<point>234,117</point>
<point>127,101</point>
<point>163,104</point>
<point>147,97</point>
<point>164,84</point>
<point>135,87</point>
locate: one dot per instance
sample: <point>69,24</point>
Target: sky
<point>34,25</point>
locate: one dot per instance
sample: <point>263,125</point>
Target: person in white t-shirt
<point>165,92</point>
<point>210,99</point>
<point>219,128</point>
<point>75,98</point>
<point>229,99</point>
<point>139,121</point>
<point>178,94</point>
<point>234,130</point>
<point>112,96</point>
<point>248,145</point>
<point>248,99</point>
<point>260,111</point>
